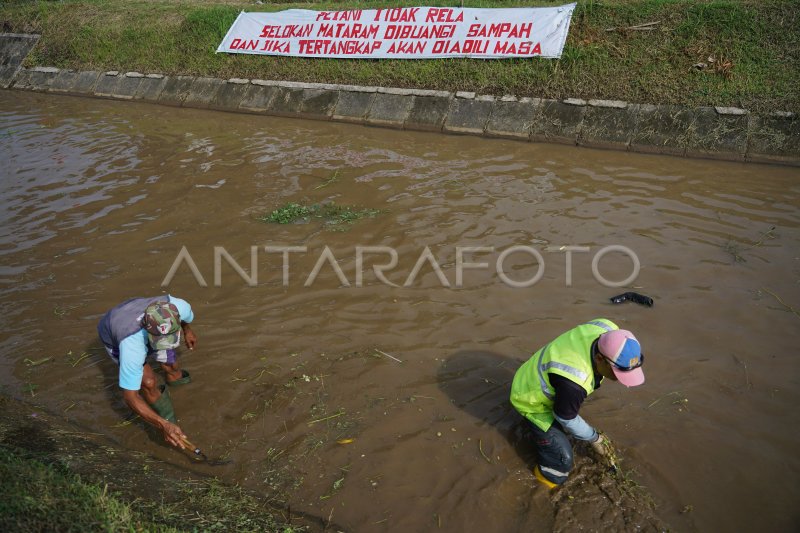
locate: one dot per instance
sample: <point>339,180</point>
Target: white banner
<point>402,33</point>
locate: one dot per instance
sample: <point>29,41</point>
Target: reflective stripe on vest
<point>600,324</point>
<point>580,374</point>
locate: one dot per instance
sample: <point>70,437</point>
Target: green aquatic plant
<point>332,214</point>
<point>287,214</point>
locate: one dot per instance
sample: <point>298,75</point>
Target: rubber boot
<point>537,473</point>
<point>163,406</point>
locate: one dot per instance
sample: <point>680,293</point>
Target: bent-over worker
<point>149,328</point>
<point>551,386</point>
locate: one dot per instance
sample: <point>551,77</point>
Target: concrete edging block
<point>257,98</point>
<point>150,88</point>
<point>773,138</point>
<point>229,95</point>
<point>318,103</point>
<point>64,81</point>
<point>352,106</point>
<point>22,79</point>
<point>468,116</point>
<point>175,90</point>
<point>717,136</point>
<point>304,100</point>
<point>390,110</point>
<point>126,87</point>
<point>607,126</point>
<point>558,122</point>
<point>287,100</point>
<point>7,75</point>
<point>40,78</point>
<point>106,84</point>
<point>513,119</point>
<point>428,113</point>
<point>14,48</point>
<point>72,82</point>
<point>202,92</point>
<point>661,129</point>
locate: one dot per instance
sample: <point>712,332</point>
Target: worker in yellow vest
<point>551,386</point>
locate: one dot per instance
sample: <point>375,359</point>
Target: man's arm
<point>188,335</point>
<point>172,433</point>
<point>569,397</point>
<point>187,315</point>
<point>132,356</point>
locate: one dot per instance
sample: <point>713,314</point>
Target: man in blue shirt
<point>149,327</point>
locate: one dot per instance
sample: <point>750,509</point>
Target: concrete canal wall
<point>711,132</point>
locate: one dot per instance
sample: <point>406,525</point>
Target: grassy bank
<point>750,49</point>
<point>38,497</point>
<point>54,477</point>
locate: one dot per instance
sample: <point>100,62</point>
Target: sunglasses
<point>628,368</point>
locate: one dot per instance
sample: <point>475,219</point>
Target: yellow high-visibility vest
<point>569,355</point>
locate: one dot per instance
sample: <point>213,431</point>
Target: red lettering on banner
<point>503,30</point>
<point>394,31</point>
<point>241,44</point>
<point>397,15</point>
<point>329,47</point>
<point>281,47</point>
<point>474,47</point>
<point>287,32</point>
<point>446,47</point>
<point>347,31</point>
<point>469,46</point>
<point>436,14</point>
<point>407,47</point>
<point>339,15</point>
<point>526,48</point>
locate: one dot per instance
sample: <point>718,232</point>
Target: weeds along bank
<point>58,477</point>
<point>719,53</point>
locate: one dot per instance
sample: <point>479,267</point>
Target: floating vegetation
<point>340,413</point>
<point>480,449</point>
<point>336,486</point>
<point>32,363</point>
<point>125,423</point>
<point>735,249</point>
<point>80,358</point>
<point>328,181</point>
<point>332,214</point>
<point>61,310</point>
<point>387,355</point>
<point>780,301</point>
<point>681,401</point>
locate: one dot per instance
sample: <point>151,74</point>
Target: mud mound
<point>609,501</point>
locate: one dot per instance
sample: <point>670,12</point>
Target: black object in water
<point>640,299</point>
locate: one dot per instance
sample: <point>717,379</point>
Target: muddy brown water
<point>301,387</point>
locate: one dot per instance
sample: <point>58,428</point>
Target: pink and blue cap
<point>625,353</point>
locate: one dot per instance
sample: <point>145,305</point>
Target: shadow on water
<point>479,382</point>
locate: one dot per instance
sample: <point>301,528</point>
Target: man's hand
<point>173,435</point>
<point>605,450</point>
<point>188,336</point>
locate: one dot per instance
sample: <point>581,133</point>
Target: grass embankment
<point>53,477</point>
<point>750,49</point>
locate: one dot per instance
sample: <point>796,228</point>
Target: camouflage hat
<point>163,325</point>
